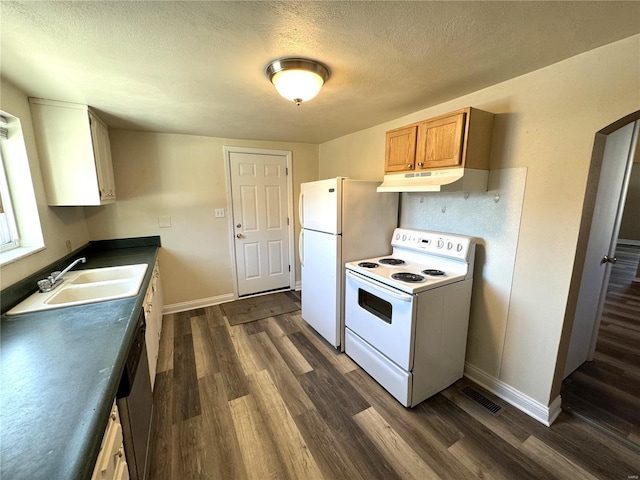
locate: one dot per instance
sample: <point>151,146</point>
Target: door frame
<point>228,150</point>
<point>593,181</point>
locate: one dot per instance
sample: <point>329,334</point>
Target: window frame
<point>9,233</point>
<point>18,192</point>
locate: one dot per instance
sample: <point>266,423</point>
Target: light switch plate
<point>164,222</point>
<point>219,212</point>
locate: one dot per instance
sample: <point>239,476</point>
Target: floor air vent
<point>477,397</point>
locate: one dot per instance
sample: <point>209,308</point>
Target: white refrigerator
<point>342,220</point>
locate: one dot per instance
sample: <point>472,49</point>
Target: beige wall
<point>546,121</point>
<point>59,224</point>
<point>183,177</point>
<point>630,227</point>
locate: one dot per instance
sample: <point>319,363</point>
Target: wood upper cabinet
<point>400,149</point>
<point>440,142</point>
<point>75,154</point>
<point>458,139</point>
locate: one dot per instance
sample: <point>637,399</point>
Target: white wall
<point>183,177</point>
<point>546,122</point>
<point>59,224</point>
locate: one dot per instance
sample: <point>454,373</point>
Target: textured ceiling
<point>198,67</point>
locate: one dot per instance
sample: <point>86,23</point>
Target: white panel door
<point>261,234</point>
<point>612,188</point>
<point>321,205</point>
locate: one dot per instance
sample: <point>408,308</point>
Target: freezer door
<point>320,205</point>
<point>322,284</point>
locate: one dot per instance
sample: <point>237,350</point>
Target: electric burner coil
<point>391,261</point>
<point>408,277</point>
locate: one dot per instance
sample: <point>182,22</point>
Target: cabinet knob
<point>409,165</point>
<point>420,164</point>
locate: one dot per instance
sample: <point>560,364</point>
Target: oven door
<point>381,316</point>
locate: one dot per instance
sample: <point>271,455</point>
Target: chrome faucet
<point>55,279</point>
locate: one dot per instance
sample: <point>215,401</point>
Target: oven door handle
<point>380,288</point>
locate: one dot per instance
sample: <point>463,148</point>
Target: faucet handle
<point>44,285</point>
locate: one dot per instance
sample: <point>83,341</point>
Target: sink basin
<point>87,286</point>
<point>93,292</point>
<point>125,272</point>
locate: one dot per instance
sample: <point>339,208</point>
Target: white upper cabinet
<point>75,154</point>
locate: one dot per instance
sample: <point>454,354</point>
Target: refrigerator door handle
<point>301,248</point>
<point>300,208</point>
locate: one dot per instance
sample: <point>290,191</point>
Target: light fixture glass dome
<point>297,79</point>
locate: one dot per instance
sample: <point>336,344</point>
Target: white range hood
<point>449,180</point>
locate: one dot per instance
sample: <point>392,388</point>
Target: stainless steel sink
<point>87,286</point>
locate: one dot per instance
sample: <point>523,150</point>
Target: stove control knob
<point>449,246</point>
<point>440,243</point>
<point>404,237</point>
<point>397,236</point>
<point>459,247</point>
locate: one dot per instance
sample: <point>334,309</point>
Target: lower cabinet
<point>153,304</point>
<point>112,463</point>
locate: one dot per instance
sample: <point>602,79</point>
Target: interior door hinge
<point>286,171</point>
<point>289,267</point>
<point>287,222</point>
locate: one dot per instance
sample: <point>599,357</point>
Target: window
<point>20,230</point>
<point>8,230</point>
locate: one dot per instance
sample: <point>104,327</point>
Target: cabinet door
<point>440,142</point>
<point>102,155</point>
<point>153,316</point>
<point>111,454</point>
<point>400,149</point>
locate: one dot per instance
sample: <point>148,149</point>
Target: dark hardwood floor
<point>270,399</point>
<point>606,391</point>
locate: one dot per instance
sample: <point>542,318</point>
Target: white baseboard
<point>298,286</point>
<point>542,413</point>
<point>192,305</point>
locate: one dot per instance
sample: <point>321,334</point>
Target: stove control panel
<point>444,244</point>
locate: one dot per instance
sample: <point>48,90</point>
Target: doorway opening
<point>601,376</point>
<point>612,162</point>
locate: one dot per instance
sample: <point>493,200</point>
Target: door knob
<point>239,235</point>
<point>608,259</point>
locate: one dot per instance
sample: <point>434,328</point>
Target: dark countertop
<point>59,374</point>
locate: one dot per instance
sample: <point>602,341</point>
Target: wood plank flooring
<point>270,399</point>
<point>606,391</point>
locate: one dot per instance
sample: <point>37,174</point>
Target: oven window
<point>375,305</point>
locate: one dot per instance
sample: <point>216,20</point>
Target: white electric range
<point>407,314</point>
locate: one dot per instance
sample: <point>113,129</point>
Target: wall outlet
<point>219,212</point>
<point>68,246</point>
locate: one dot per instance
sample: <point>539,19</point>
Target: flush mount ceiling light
<point>297,79</point>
